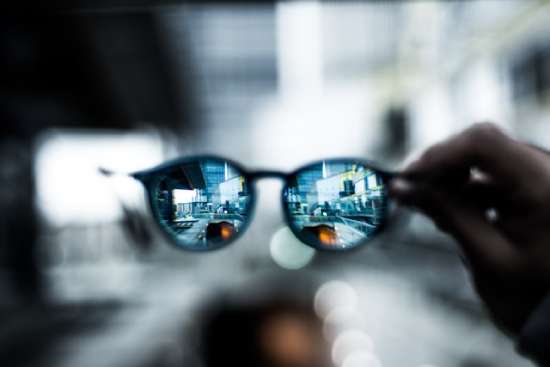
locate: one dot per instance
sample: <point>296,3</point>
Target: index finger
<point>483,146</point>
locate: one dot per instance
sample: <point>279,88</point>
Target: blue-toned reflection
<point>202,203</point>
<point>336,204</point>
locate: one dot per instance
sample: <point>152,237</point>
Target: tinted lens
<point>337,204</point>
<point>202,204</point>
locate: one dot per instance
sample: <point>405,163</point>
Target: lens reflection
<point>336,204</point>
<point>203,203</point>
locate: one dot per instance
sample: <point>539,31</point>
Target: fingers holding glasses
<point>486,149</point>
<point>458,183</point>
<point>485,189</point>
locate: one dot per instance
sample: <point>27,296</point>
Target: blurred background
<point>87,280</point>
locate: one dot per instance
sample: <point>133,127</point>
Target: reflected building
<point>202,203</point>
<point>340,203</point>
<point>304,190</point>
<point>213,173</point>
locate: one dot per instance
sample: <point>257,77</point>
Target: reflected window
<point>203,203</point>
<point>336,203</point>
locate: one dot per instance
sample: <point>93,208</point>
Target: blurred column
<point>396,133</point>
<point>299,48</point>
<point>482,93</point>
<point>17,221</point>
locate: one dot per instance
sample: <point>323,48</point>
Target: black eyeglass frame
<point>147,179</point>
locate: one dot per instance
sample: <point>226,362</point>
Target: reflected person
<point>491,193</point>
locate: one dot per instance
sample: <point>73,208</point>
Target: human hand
<point>492,194</point>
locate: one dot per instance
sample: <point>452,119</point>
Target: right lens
<point>203,204</point>
<point>336,204</point>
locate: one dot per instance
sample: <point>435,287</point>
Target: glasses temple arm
<point>106,172</point>
<point>109,173</point>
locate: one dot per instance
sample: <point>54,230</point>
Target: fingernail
<point>400,187</point>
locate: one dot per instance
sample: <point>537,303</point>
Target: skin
<point>479,171</point>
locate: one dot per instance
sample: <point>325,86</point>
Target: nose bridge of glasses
<point>257,175</point>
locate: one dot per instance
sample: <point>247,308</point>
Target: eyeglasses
<point>206,202</point>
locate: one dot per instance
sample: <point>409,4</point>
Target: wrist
<point>534,337</point>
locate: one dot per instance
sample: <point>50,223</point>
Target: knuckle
<point>485,132</point>
<point>481,137</point>
<point>430,154</point>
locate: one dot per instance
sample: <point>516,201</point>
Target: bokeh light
<point>289,253</point>
<point>350,342</point>
<point>362,359</point>
<point>333,295</point>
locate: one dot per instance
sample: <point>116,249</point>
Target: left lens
<point>201,204</point>
<point>336,204</point>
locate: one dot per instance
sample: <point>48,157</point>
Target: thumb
<point>482,243</point>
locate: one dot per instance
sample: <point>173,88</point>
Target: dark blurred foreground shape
<point>66,68</point>
<point>275,326</point>
<point>77,69</point>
